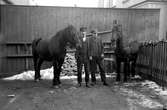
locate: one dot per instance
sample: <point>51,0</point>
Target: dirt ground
<point>28,95</point>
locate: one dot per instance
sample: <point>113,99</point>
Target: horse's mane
<point>65,30</point>
<point>119,40</point>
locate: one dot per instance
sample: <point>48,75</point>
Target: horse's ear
<point>70,25</point>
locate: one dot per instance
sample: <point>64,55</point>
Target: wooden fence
<point>19,25</point>
<point>152,62</point>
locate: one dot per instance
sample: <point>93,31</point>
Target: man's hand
<point>102,55</point>
<point>90,57</point>
<point>84,36</point>
<point>84,39</point>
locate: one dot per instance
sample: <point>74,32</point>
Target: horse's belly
<point>46,57</point>
<point>42,50</point>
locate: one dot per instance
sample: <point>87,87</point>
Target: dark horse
<point>54,50</point>
<point>126,56</point>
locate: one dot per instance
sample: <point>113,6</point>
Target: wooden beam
<point>100,33</point>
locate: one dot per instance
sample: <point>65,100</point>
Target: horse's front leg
<point>60,63</point>
<point>56,76</point>
<point>79,71</point>
<point>133,66</point>
<point>126,70</point>
<point>118,65</point>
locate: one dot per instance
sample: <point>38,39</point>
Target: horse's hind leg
<point>37,69</point>
<point>126,71</point>
<point>40,61</point>
<point>35,59</point>
<point>118,64</point>
<point>133,68</point>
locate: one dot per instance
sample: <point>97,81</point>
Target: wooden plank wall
<point>24,23</point>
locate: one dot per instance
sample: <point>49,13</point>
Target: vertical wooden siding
<point>24,23</point>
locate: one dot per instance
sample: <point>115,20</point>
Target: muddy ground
<point>28,95</point>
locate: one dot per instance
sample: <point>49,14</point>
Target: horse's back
<point>43,44</point>
<point>34,45</point>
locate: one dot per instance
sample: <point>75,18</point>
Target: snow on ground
<point>152,85</point>
<point>137,98</point>
<point>45,74</point>
<point>29,75</point>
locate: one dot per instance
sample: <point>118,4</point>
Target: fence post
<point>163,64</point>
<point>151,60</point>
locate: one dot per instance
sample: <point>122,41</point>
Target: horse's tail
<point>34,44</point>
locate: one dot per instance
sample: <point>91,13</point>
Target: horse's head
<point>134,45</point>
<point>72,36</point>
<point>116,39</point>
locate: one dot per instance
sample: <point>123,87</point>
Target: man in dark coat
<point>82,57</point>
<point>96,55</point>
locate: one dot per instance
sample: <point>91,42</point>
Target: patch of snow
<point>140,99</point>
<point>28,75</point>
<point>127,84</point>
<point>45,74</point>
<point>136,77</point>
<point>152,85</point>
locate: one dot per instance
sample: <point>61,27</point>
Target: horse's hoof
<point>93,84</point>
<point>40,79</point>
<point>87,85</point>
<point>79,85</point>
<point>37,80</point>
<point>56,87</point>
<point>59,82</point>
<point>118,80</point>
<point>60,85</point>
<point>105,84</point>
